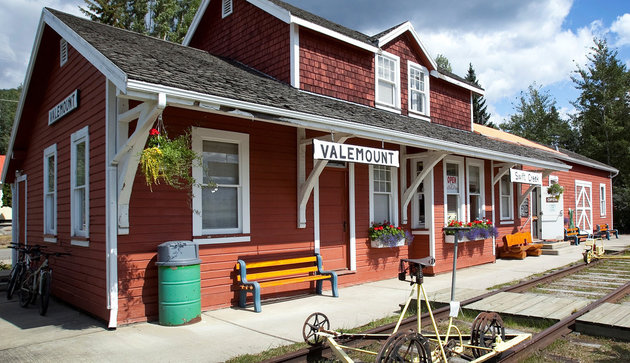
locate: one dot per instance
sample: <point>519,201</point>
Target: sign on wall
<point>64,107</point>
<point>527,177</point>
<point>451,184</point>
<point>324,150</point>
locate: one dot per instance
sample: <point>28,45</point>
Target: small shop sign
<point>324,150</point>
<point>451,184</point>
<point>527,177</point>
<point>64,107</point>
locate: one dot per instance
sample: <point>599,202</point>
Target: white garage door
<point>583,206</point>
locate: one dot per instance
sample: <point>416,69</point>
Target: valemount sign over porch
<point>324,150</point>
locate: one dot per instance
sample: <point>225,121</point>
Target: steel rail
<point>302,355</point>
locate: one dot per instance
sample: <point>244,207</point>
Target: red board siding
<point>334,69</point>
<point>450,105</point>
<point>80,278</point>
<point>249,35</point>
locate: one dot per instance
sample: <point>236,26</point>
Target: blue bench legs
<point>333,283</point>
<point>242,301</point>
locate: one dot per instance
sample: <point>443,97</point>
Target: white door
<point>551,216</point>
<point>583,206</point>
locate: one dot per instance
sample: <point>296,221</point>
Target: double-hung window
<point>50,192</point>
<point>475,190</point>
<point>602,200</point>
<point>507,198</point>
<point>383,194</point>
<point>388,81</point>
<point>79,184</point>
<point>221,202</point>
<point>453,175</point>
<point>418,89</point>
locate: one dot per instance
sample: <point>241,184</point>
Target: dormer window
<point>388,81</point>
<point>419,100</point>
<point>226,8</point>
<point>63,52</point>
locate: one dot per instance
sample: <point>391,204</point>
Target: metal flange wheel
<point>588,257</point>
<point>486,327</point>
<point>312,326</point>
<point>405,347</point>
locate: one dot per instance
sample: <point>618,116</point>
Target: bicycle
<point>37,283</point>
<point>20,266</point>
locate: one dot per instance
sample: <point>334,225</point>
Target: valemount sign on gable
<point>64,107</point>
<point>324,150</point>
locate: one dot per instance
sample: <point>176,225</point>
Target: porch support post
<point>306,187</point>
<point>431,160</point>
<point>522,197</point>
<point>505,168</point>
<point>128,156</point>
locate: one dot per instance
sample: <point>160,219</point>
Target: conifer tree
<point>480,112</point>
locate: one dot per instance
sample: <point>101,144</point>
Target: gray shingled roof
<point>155,61</point>
<point>582,158</point>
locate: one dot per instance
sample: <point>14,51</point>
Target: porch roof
<point>154,65</point>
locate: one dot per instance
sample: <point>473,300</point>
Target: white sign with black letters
<point>64,107</point>
<point>324,150</point>
<point>527,177</point>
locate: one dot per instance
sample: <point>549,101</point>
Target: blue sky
<point>511,43</point>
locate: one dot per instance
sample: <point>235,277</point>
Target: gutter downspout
<point>111,206</point>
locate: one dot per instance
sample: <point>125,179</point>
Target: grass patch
<point>583,348</point>
<point>5,240</point>
<point>5,266</point>
<point>532,277</point>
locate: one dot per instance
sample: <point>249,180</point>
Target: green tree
<point>443,63</point>
<point>165,19</point>
<point>9,99</point>
<point>603,118</point>
<point>537,119</point>
<point>480,112</point>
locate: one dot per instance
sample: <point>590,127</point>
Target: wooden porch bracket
<point>305,186</point>
<point>521,198</point>
<point>128,156</point>
<point>431,159</point>
<point>505,168</point>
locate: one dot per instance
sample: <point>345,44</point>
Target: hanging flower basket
<point>386,235</point>
<point>168,160</point>
<point>555,190</point>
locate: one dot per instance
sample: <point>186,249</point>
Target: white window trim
<point>427,91</point>
<point>602,200</point>
<point>462,187</point>
<point>394,204</point>
<point>396,106</point>
<point>48,152</point>
<point>63,52</point>
<point>77,137</point>
<point>482,195</point>
<point>510,218</point>
<point>428,185</point>
<point>226,4</point>
<point>203,134</point>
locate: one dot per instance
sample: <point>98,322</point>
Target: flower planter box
<point>449,238</point>
<point>381,244</point>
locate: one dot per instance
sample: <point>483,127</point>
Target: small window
<point>225,162</point>
<point>602,200</point>
<point>50,191</point>
<point>507,199</point>
<point>226,8</point>
<point>418,89</point>
<point>453,187</point>
<point>476,190</point>
<point>420,207</point>
<point>63,52</point>
<point>383,194</point>
<point>388,81</point>
<point>79,180</point>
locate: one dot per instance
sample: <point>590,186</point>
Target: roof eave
<point>407,27</point>
<point>457,82</point>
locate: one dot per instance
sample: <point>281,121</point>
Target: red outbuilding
<point>311,131</point>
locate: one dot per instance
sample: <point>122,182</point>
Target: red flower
<point>469,224</point>
<point>154,132</point>
<point>391,226</point>
<point>399,228</point>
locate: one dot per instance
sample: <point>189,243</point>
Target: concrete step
<point>548,245</point>
<point>557,251</point>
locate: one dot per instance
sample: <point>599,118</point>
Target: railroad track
<point>523,350</point>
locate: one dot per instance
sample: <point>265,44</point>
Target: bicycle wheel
<point>44,296</point>
<point>16,273</point>
<point>25,291</point>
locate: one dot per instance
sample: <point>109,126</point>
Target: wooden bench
<point>513,247</point>
<point>602,230</point>
<point>281,272</point>
<point>574,235</point>
<point>533,249</point>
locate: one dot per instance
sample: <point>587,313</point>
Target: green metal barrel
<point>179,290</point>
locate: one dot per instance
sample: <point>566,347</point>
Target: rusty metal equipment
<point>487,339</point>
<point>594,249</point>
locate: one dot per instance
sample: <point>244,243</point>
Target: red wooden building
<point>255,83</point>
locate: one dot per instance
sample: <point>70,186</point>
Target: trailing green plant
<point>169,160</point>
<point>555,189</point>
<point>386,233</point>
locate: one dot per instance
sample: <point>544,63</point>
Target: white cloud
<point>19,19</point>
<point>621,27</point>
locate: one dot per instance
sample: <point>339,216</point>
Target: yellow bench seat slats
<point>278,273</point>
<point>288,281</point>
<point>288,261</point>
